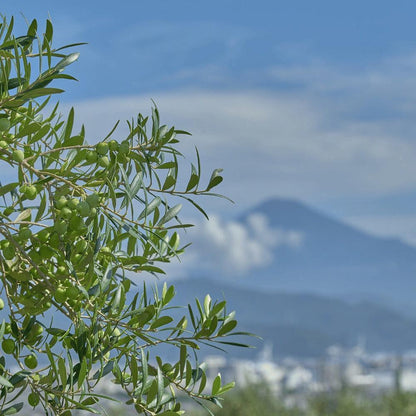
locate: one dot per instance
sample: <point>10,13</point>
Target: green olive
<point>31,192</point>
<point>66,213</point>
<point>84,209</point>
<point>7,346</point>
<point>104,162</point>
<point>124,148</point>
<point>33,399</point>
<point>4,124</point>
<point>31,361</point>
<point>93,200</point>
<point>61,202</point>
<point>18,156</point>
<point>60,294</point>
<point>91,156</point>
<point>113,145</point>
<point>73,203</point>
<point>25,233</point>
<point>61,227</point>
<point>102,148</point>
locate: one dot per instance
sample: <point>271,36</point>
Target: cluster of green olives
<point>100,154</point>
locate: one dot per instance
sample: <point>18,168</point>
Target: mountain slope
<point>304,324</point>
<point>335,259</point>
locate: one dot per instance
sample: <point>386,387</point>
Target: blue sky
<point>309,100</point>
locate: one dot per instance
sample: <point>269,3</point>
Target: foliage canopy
<point>78,221</point>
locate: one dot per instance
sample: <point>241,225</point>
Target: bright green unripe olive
<point>84,209</point>
<point>54,241</point>
<point>31,361</point>
<point>7,346</point>
<point>4,124</point>
<point>4,244</point>
<point>104,162</point>
<point>33,399</point>
<point>61,227</point>
<point>31,192</point>
<point>3,144</point>
<point>71,292</point>
<point>102,148</point>
<point>43,235</point>
<point>61,271</point>
<point>18,156</point>
<point>36,330</point>
<point>25,233</point>
<point>105,250</point>
<point>1,304</point>
<point>91,156</point>
<point>61,202</point>
<point>124,148</point>
<point>8,211</point>
<point>81,246</point>
<point>60,294</point>
<point>9,253</point>
<point>93,200</point>
<point>66,213</point>
<point>7,328</point>
<point>113,145</point>
<point>76,223</point>
<point>73,203</point>
<point>46,252</point>
<point>22,189</point>
<point>93,212</point>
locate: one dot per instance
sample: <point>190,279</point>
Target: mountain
<point>335,259</point>
<point>304,324</point>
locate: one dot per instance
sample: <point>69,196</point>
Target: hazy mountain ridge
<point>305,324</point>
<point>336,259</point>
<point>341,284</point>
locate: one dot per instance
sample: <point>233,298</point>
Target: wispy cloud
<point>233,248</point>
<point>276,143</point>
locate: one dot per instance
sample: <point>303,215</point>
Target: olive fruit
<point>84,209</point>
<point>60,294</point>
<point>31,361</point>
<point>4,124</point>
<point>73,203</point>
<point>33,399</point>
<point>71,292</point>
<point>66,213</point>
<point>102,148</point>
<point>113,145</point>
<point>7,346</point>
<point>124,148</point>
<point>25,233</point>
<point>61,227</point>
<point>18,156</point>
<point>104,162</point>
<point>9,252</point>
<point>3,144</point>
<point>91,156</point>
<point>31,192</point>
<point>1,304</point>
<point>61,202</point>
<point>93,200</point>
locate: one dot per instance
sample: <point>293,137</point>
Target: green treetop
<point>78,221</point>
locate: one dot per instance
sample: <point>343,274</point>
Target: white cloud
<point>275,143</point>
<point>233,248</point>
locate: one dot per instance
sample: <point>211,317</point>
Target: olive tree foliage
<point>80,225</point>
